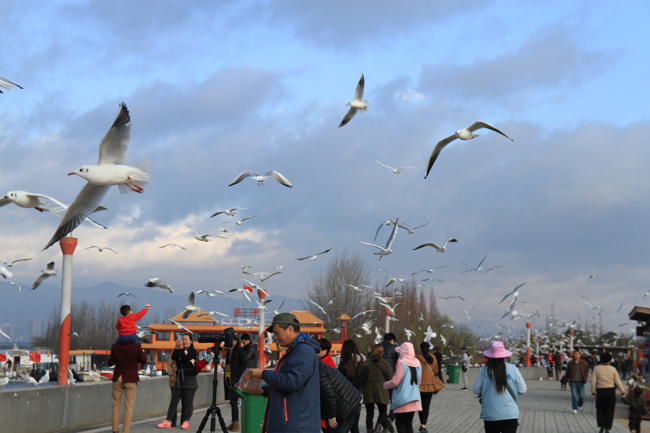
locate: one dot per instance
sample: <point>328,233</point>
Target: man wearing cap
<point>293,388</point>
<point>464,366</point>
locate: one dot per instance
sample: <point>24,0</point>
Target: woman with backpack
<point>353,367</point>
<point>374,393</point>
<point>405,385</point>
<point>498,385</point>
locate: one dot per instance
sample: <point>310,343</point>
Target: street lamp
<point>261,276</point>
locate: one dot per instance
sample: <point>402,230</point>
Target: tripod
<point>214,409</point>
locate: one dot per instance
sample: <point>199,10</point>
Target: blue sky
<point>216,88</point>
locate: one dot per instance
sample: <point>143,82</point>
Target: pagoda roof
<point>194,317</point>
<point>344,317</point>
<point>306,318</point>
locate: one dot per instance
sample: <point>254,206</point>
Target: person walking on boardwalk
<point>499,385</point>
<point>438,354</point>
<point>557,362</point>
<point>464,367</point>
<point>406,399</point>
<point>353,367</point>
<point>637,410</point>
<point>375,394</point>
<point>577,372</point>
<point>430,383</point>
<point>185,385</point>
<point>604,381</point>
<point>293,388</point>
<point>125,356</point>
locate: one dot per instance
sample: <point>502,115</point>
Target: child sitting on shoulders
<point>637,410</point>
<point>126,324</point>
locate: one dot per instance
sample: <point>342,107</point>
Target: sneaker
<point>580,408</point>
<point>185,425</point>
<point>234,427</point>
<point>423,430</point>
<point>575,410</point>
<point>165,424</point>
<point>390,426</point>
<point>464,388</point>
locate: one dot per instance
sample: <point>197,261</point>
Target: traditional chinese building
<point>244,320</point>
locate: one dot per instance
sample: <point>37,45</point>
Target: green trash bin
<point>453,373</point>
<point>252,411</point>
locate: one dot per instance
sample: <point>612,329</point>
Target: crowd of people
<point>307,391</point>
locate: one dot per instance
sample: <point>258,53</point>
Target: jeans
<point>344,425</point>
<point>577,394</point>
<point>130,338</point>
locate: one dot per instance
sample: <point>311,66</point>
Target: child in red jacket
<point>125,326</point>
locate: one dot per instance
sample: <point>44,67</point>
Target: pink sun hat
<point>497,350</point>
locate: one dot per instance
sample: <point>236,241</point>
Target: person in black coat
<point>391,356</point>
<point>353,367</point>
<point>339,400</point>
<point>250,349</point>
<point>186,384</point>
<point>438,354</point>
<point>234,367</point>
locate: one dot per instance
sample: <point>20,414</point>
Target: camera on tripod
<point>227,337</point>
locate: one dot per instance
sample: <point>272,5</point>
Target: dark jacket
<point>338,397</point>
<point>637,405</point>
<point>378,373</point>
<point>557,359</point>
<point>390,354</point>
<point>293,390</point>
<point>125,357</point>
<point>570,369</point>
<point>438,357</point>
<point>236,360</point>
<point>251,355</point>
<point>184,357</point>
<point>359,379</point>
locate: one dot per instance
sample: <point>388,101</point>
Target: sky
<point>217,88</point>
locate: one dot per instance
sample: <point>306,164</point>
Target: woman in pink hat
<point>406,398</point>
<point>498,385</point>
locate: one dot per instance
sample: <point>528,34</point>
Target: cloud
<point>548,60</point>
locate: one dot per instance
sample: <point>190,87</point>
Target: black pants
<point>426,403</point>
<point>370,415</point>
<point>173,418</point>
<point>187,396</point>
<point>355,424</point>
<point>501,426</point>
<point>635,421</point>
<point>557,372</point>
<point>404,422</point>
<point>234,410</point>
<point>605,405</point>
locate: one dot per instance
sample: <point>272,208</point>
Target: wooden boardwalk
<point>543,409</point>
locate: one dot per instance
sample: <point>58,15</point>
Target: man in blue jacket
<point>293,388</point>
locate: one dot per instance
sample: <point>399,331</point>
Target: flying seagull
<point>47,273</point>
<point>157,282</point>
<point>440,249</point>
<point>387,250</point>
<point>476,269</point>
<point>101,249</point>
<point>357,104</point>
<point>395,170</point>
<point>260,178</point>
<point>6,84</point>
<point>514,293</point>
<point>4,334</point>
<point>402,224</point>
<point>126,294</point>
<point>244,291</point>
<point>191,307</point>
<point>319,307</point>
<point>463,134</point>
<point>74,334</point>
<point>276,312</point>
<point>429,271</point>
<point>173,245</point>
<point>202,237</point>
<point>593,276</point>
<point>315,256</point>
<point>181,327</point>
<point>229,212</point>
<point>110,170</point>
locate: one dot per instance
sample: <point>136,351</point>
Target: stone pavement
<point>543,409</point>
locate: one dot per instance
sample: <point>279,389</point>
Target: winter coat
<point>171,371</point>
<point>636,404</point>
<point>499,406</point>
<point>570,369</point>
<point>406,395</point>
<point>378,373</point>
<point>338,397</point>
<point>359,379</point>
<point>251,355</point>
<point>186,367</point>
<point>429,371</point>
<point>125,357</point>
<point>236,359</point>
<point>293,390</point>
<point>390,355</point>
<point>438,357</point>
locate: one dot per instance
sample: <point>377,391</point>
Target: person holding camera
<point>186,384</point>
<point>293,389</point>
